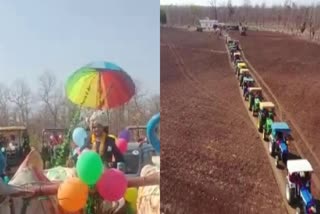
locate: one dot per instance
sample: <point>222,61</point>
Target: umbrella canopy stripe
<point>114,82</point>
<point>83,72</point>
<point>85,92</point>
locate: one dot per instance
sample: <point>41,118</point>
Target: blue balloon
<point>79,136</point>
<point>151,132</point>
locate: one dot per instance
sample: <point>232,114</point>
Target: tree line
<point>48,107</point>
<point>288,17</point>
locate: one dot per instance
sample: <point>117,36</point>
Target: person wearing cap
<point>101,142</point>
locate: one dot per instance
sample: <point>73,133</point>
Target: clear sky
<point>234,2</point>
<point>63,35</point>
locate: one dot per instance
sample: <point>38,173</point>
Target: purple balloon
<point>125,134</point>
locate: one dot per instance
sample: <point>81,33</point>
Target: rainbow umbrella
<point>100,85</point>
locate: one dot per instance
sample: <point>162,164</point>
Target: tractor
<point>229,41</point>
<point>254,97</point>
<point>232,50</point>
<point>298,187</point>
<point>246,80</point>
<point>137,133</point>
<point>246,84</point>
<point>233,45</point>
<point>266,118</point>
<point>243,30</point>
<point>278,142</point>
<point>240,64</point>
<point>235,56</point>
<point>15,146</point>
<point>236,43</point>
<point>243,72</point>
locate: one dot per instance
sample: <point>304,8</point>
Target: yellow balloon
<point>131,195</point>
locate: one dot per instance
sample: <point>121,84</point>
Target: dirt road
<point>212,157</point>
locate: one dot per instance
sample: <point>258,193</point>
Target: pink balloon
<point>112,185</point>
<point>122,145</point>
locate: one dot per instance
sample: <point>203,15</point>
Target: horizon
<point>237,3</point>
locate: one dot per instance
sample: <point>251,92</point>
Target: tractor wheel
<point>265,135</point>
<point>289,194</point>
<point>271,148</point>
<point>276,161</point>
<point>260,128</point>
<point>285,159</point>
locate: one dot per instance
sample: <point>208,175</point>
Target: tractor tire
<point>265,136</point>
<point>289,195</point>
<point>271,148</point>
<point>276,161</point>
<point>285,160</point>
<point>260,128</point>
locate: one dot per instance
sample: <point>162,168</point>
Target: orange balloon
<point>73,194</point>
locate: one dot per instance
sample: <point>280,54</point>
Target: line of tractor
<point>276,133</point>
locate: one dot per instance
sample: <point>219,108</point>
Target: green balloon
<point>89,167</point>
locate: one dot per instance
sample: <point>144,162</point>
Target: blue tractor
<point>298,187</point>
<point>278,142</point>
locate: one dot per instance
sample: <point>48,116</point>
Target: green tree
<point>163,17</point>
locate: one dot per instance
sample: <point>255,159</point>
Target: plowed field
<point>212,158</point>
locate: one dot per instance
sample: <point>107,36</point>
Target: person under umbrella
<point>100,142</point>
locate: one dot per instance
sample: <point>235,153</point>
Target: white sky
<point>234,2</point>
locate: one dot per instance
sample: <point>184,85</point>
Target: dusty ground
<point>212,159</point>
<point>290,68</point>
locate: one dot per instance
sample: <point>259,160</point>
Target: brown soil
<point>212,158</point>
<point>290,68</point>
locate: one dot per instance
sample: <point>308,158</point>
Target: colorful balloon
<point>152,125</point>
<point>112,185</point>
<point>72,194</point>
<point>131,195</point>
<point>89,167</point>
<point>125,134</point>
<point>79,136</point>
<point>122,145</point>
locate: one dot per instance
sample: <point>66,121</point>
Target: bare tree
<point>4,105</point>
<point>213,4</point>
<point>51,95</point>
<point>21,96</point>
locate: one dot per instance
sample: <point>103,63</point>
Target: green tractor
<point>265,118</point>
<point>255,97</point>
